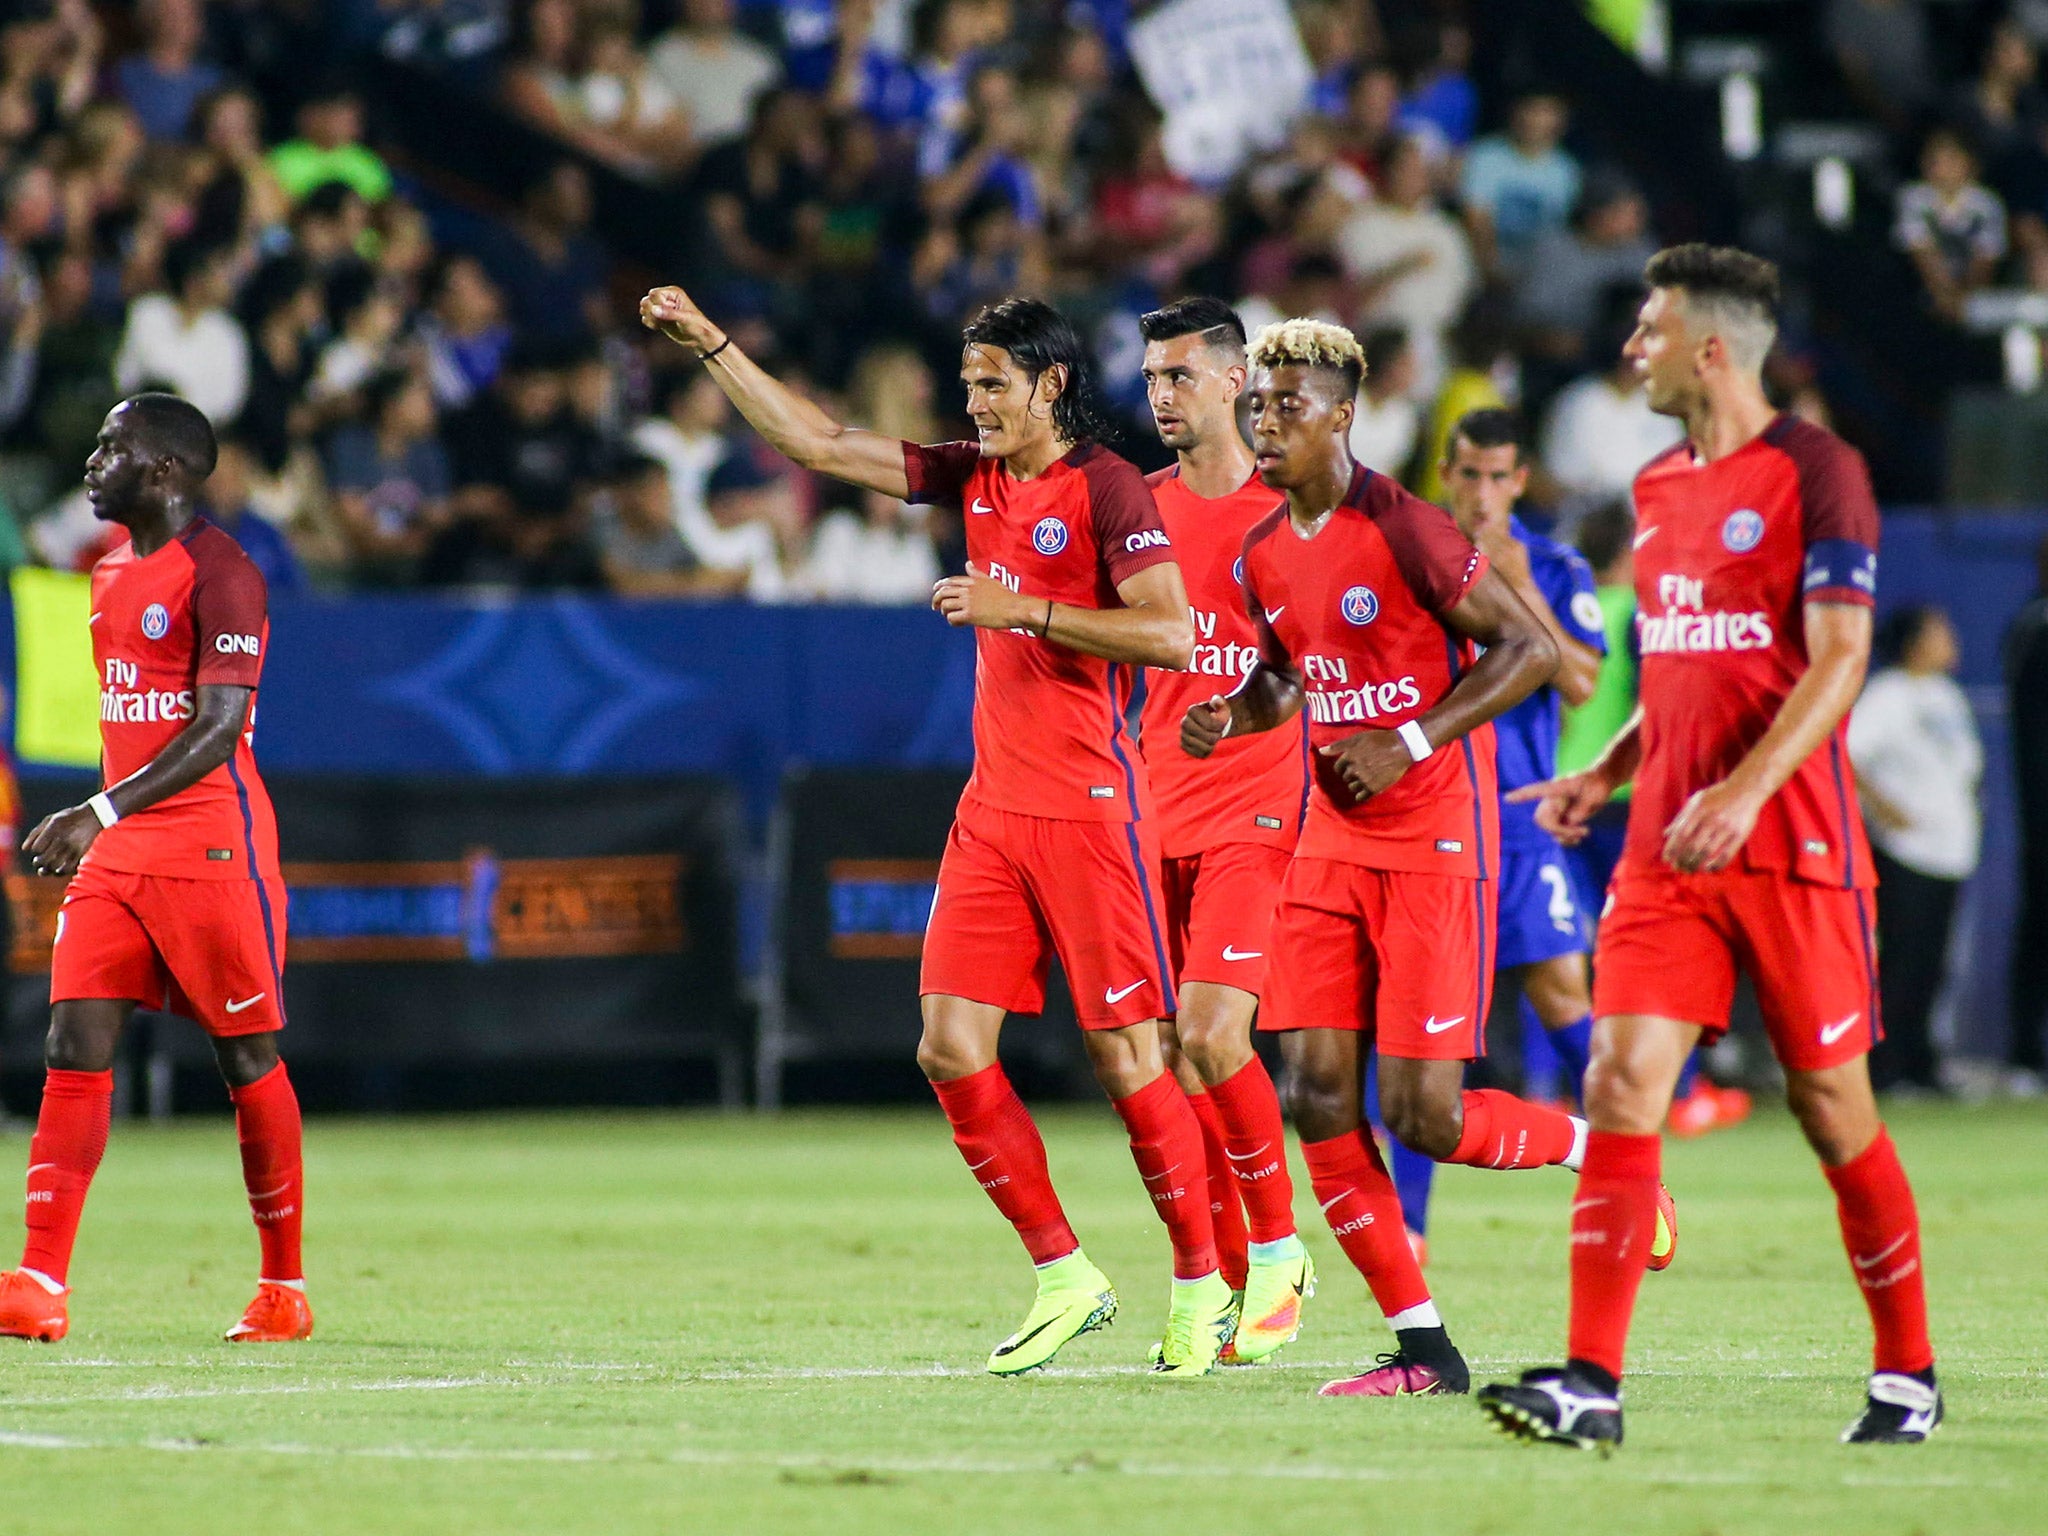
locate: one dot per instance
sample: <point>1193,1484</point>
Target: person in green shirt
<point>330,148</point>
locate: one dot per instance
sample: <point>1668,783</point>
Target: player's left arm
<point>1151,629</point>
<point>220,711</point>
<point>1713,825</point>
<point>1519,658</point>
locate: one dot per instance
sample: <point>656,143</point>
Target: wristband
<point>1045,629</point>
<point>705,357</point>
<point>103,808</point>
<point>1412,737</point>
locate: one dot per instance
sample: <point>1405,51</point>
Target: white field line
<point>853,1467</point>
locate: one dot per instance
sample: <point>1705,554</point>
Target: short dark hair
<point>1197,315</point>
<point>1489,427</point>
<point>1900,629</point>
<point>1716,272</point>
<point>185,260</point>
<point>1039,337</point>
<point>1606,531</point>
<point>171,427</point>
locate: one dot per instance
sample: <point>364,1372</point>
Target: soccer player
<point>1071,585</point>
<point>176,900</point>
<point>1542,935</point>
<point>1228,823</point>
<point>1756,561</point>
<point>1370,609</point>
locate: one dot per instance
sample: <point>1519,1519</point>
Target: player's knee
<point>1421,1122</point>
<point>1623,1093</point>
<point>75,1046</point>
<point>1837,1121</point>
<point>942,1059</point>
<point>244,1058</point>
<point>1318,1109</point>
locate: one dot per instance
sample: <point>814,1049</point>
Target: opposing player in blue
<point>1544,934</point>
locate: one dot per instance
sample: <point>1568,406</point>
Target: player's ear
<point>1052,384</point>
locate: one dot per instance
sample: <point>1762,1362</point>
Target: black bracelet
<point>705,357</point>
<point>1045,630</point>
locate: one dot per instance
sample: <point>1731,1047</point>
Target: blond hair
<point>1308,344</point>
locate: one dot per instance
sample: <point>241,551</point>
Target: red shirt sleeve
<point>938,472</point>
<point>230,606</point>
<point>1128,530</point>
<point>1271,651</point>
<point>1838,513</point>
<point>1437,561</point>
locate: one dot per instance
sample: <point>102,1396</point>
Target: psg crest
<point>1050,536</point>
<point>156,621</point>
<point>1359,605</point>
<point>1743,531</point>
<point>1237,570</point>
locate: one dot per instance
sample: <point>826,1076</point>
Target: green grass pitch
<point>612,1323</point>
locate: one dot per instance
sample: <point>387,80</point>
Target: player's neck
<point>1216,467</point>
<point>1727,419</point>
<point>1308,505</point>
<point>152,529</point>
<point>1035,458</point>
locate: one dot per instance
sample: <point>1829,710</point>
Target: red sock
<point>70,1139</point>
<point>1250,1111</point>
<point>1881,1230</point>
<point>267,1125</point>
<point>994,1133</point>
<point>1614,1220</point>
<point>1502,1131</point>
<point>1226,1211</point>
<point>1364,1213</point>
<point>1166,1144</point>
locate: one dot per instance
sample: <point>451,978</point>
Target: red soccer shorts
<point>1406,956</point>
<point>207,950</point>
<point>1219,913</point>
<point>1016,890</point>
<point>1670,944</point>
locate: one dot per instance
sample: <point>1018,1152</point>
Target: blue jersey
<point>1525,738</point>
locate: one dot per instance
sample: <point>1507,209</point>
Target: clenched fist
<point>1204,725</point>
<point>676,315</point>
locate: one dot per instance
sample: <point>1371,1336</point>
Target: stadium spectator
<point>1147,216</point>
<point>1367,126</point>
<point>552,272</point>
<point>1388,423</point>
<point>391,482</point>
<point>746,511</point>
<point>1601,429</point>
<point>464,331</point>
<point>1484,374</point>
<point>1521,185</point>
<point>1951,224</point>
<point>2003,112</point>
<point>330,148</point>
<point>457,36</point>
<point>715,69</point>
<point>642,553</point>
<point>1310,286</point>
<point>1572,271</point>
<point>186,338</point>
<point>1882,49</point>
<point>687,434</point>
<point>622,98</point>
<point>329,228</point>
<point>242,199</point>
<point>1442,106</point>
<point>282,308</point>
<point>230,503</point>
<point>368,315</point>
<point>882,553</point>
<point>763,200</point>
<point>2026,693</point>
<point>1410,261</point>
<point>74,368</point>
<point>1917,758</point>
<point>164,81</point>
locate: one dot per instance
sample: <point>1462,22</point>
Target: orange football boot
<point>1667,1208</point>
<point>279,1314</point>
<point>30,1311</point>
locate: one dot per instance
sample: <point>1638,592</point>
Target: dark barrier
<point>854,857</point>
<point>451,927</point>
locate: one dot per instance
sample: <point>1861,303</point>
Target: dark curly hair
<point>1039,337</point>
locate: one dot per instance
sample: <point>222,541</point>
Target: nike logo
<point>1646,535</point>
<point>269,1194</point>
<point>977,1167</point>
<point>1830,1033</point>
<point>1432,1027</point>
<point>247,1002</point>
<point>1113,998</point>
<point>1332,1201</point>
<point>92,621</point>
<point>1879,1257</point>
<point>1242,954</point>
<point>1587,1205</point>
<point>1249,1157</point>
<point>1274,613</point>
<point>981,508</point>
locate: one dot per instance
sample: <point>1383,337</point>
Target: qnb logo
<point>1143,539</point>
<point>1333,701</point>
<point>1050,536</point>
<point>1679,632</point>
<point>1359,605</point>
<point>238,645</point>
<point>1213,660</point>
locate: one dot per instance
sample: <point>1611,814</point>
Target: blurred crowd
<point>416,385</point>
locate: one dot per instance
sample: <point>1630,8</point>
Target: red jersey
<point>1251,789</point>
<point>1727,556</point>
<point>193,613</point>
<point>1049,733</point>
<point>1357,613</point>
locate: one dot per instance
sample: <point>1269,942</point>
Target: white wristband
<point>103,808</point>
<point>1412,737</point>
